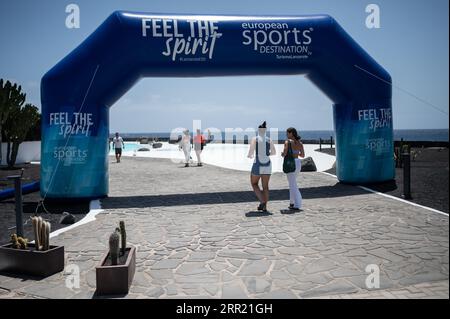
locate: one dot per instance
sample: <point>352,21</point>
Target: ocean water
<point>432,135</point>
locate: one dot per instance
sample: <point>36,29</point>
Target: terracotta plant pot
<point>114,280</point>
<point>31,262</point>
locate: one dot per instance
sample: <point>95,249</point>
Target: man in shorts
<point>118,146</point>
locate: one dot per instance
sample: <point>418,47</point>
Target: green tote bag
<point>289,161</point>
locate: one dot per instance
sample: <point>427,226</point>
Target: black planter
<point>31,262</point>
<point>114,280</point>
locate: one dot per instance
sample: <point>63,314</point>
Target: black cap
<point>263,125</point>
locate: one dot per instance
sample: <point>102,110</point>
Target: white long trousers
<point>187,152</point>
<point>295,196</point>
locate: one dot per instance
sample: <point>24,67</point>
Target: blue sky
<point>412,45</point>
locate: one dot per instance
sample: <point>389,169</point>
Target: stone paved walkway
<point>198,236</point>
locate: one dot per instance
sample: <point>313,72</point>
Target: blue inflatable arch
<point>78,92</point>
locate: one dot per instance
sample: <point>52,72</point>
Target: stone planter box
<point>31,262</point>
<point>117,279</point>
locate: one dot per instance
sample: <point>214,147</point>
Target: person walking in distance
<point>185,145</point>
<point>118,146</point>
<point>199,143</point>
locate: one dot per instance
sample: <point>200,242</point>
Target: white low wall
<point>28,152</point>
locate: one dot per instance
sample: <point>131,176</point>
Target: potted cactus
<point>36,259</point>
<point>116,270</point>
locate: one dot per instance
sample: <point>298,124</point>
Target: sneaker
<point>186,165</point>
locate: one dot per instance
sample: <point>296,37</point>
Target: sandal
<point>263,208</point>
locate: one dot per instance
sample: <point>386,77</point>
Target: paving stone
<point>91,279</point>
<point>304,286</point>
<point>352,241</point>
<point>260,251</point>
<point>315,278</point>
<point>255,268</point>
<point>345,272</point>
<point>11,284</point>
<point>179,255</point>
<point>235,262</point>
<point>295,269</point>
<point>192,268</point>
<point>280,294</point>
<point>233,254</point>
<point>233,291</point>
<point>320,265</point>
<point>356,252</point>
<point>422,277</point>
<point>279,274</point>
<point>161,274</point>
<point>167,264</point>
<point>385,254</point>
<point>84,294</point>
<point>58,292</point>
<point>202,278</point>
<point>171,290</point>
<point>212,290</point>
<point>256,231</point>
<point>140,279</point>
<point>226,276</point>
<point>338,286</point>
<point>297,251</point>
<point>201,256</point>
<point>215,266</point>
<point>155,292</point>
<point>257,285</point>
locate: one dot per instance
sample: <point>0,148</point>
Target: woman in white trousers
<point>293,140</point>
<point>185,145</point>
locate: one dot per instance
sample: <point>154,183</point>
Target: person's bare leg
<point>255,184</point>
<point>265,185</point>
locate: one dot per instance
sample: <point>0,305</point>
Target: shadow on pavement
<point>118,296</point>
<point>142,201</point>
<point>258,214</point>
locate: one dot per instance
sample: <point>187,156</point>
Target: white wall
<point>28,152</point>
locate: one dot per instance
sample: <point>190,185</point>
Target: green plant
<point>11,97</point>
<point>19,242</point>
<point>41,229</point>
<point>123,236</point>
<point>114,248</point>
<point>16,128</point>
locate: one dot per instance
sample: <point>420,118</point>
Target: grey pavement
<point>198,236</point>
